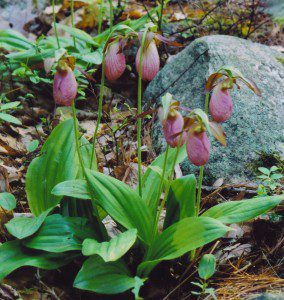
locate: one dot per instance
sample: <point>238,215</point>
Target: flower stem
<point>162,177</point>
<point>206,106</point>
<point>201,171</point>
<point>100,18</point>
<point>161,15</point>
<point>139,110</point>
<point>168,187</point>
<point>72,20</point>
<point>100,111</point>
<point>91,209</point>
<point>54,25</point>
<point>77,137</point>
<point>110,15</point>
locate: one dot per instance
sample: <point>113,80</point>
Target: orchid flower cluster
<point>192,129</point>
<point>115,60</point>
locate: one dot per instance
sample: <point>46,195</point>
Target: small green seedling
<point>269,180</point>
<point>32,146</point>
<point>206,269</point>
<point>7,201</point>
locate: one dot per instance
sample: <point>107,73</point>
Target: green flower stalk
<point>100,112</point>
<point>72,20</point>
<point>54,24</point>
<point>139,110</point>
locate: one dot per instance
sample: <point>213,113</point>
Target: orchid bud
<point>64,87</point>
<point>198,148</point>
<point>114,62</point>
<point>172,126</point>
<point>221,105</point>
<point>150,59</point>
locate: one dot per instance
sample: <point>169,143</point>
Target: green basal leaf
<point>7,201</point>
<point>207,266</point>
<point>104,277</point>
<point>78,34</point>
<point>180,238</point>
<point>77,188</point>
<point>181,200</point>
<point>94,57</point>
<point>151,179</point>
<point>10,119</point>
<point>13,256</point>
<point>32,55</point>
<point>112,250</point>
<point>23,227</point>
<point>58,162</point>
<point>14,40</point>
<point>244,210</point>
<point>59,234</point>
<point>122,203</point>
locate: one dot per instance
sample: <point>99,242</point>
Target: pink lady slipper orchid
<point>115,63</point>
<point>172,128</point>
<point>64,87</point>
<point>198,148</point>
<point>221,104</point>
<point>150,58</point>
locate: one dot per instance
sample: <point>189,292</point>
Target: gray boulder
<point>257,122</point>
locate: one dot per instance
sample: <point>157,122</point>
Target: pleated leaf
<point>122,203</point>
<point>77,188</point>
<point>181,200</point>
<point>151,179</point>
<point>104,277</point>
<point>59,234</point>
<point>112,250</point>
<point>244,210</point>
<point>13,256</point>
<point>180,238</point>
<point>23,227</point>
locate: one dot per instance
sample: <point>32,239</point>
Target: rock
<point>257,122</point>
<point>268,296</point>
<point>275,8</point>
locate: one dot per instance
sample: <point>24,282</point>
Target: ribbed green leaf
<point>58,161</point>
<point>78,34</point>
<point>7,201</point>
<point>244,210</point>
<point>180,238</point>
<point>13,256</point>
<point>112,250</point>
<point>77,188</point>
<point>23,227</point>
<point>181,200</point>
<point>122,203</point>
<point>104,278</point>
<point>14,39</point>
<point>59,234</point>
<point>32,55</point>
<point>151,179</point>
